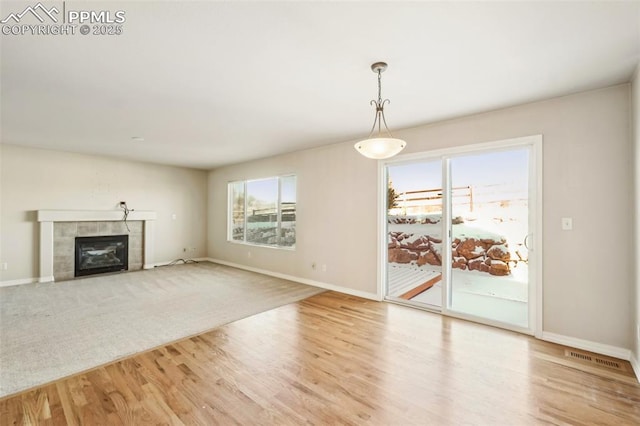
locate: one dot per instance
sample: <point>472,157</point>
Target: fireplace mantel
<point>48,217</point>
<point>92,215</point>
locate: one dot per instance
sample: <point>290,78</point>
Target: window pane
<point>262,213</point>
<point>288,211</point>
<point>237,210</point>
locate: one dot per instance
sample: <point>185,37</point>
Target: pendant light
<point>380,144</point>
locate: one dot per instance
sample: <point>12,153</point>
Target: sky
<point>470,169</point>
<point>267,189</point>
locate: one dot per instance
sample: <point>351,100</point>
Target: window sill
<point>243,243</point>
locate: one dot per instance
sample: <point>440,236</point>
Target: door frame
<point>535,302</point>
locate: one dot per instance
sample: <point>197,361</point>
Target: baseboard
<point>587,345</point>
<point>327,286</point>
<point>22,281</point>
<point>635,365</point>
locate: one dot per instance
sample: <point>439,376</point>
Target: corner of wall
<point>635,122</point>
<point>635,364</point>
<point>320,284</point>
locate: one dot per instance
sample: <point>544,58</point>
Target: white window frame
<point>244,241</point>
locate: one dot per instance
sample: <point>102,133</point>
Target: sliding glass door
<point>459,229</point>
<point>414,231</point>
<point>489,204</point>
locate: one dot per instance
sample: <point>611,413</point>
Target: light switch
<point>567,224</point>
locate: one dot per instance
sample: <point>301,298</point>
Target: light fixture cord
<point>380,119</point>
<point>379,87</point>
<point>380,108</point>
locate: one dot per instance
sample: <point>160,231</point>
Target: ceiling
<point>213,83</point>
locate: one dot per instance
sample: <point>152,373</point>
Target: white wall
<point>588,175</point>
<point>33,179</point>
<point>636,138</point>
<point>332,187</point>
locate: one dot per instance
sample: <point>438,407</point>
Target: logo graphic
<point>33,10</point>
<point>41,20</point>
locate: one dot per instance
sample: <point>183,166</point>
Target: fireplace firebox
<point>101,254</point>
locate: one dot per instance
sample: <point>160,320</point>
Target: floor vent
<point>593,359</point>
<point>578,355</point>
<point>608,363</point>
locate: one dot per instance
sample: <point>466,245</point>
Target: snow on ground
<point>462,231</point>
<point>513,287</point>
<point>496,309</point>
<point>501,299</point>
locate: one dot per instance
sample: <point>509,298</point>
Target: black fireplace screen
<point>97,255</point>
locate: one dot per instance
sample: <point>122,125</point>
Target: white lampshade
<point>380,148</point>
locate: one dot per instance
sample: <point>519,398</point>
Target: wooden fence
<point>431,199</point>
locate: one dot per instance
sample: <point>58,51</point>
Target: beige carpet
<point>49,331</point>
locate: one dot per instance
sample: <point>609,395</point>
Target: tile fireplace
<point>60,228</point>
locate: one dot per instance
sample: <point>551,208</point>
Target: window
<point>263,211</point>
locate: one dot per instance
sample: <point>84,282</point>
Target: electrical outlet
<point>184,250</point>
<point>313,266</point>
<point>4,266</point>
<point>324,267</point>
<point>249,254</point>
<point>567,224</point>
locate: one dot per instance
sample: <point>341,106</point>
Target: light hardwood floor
<point>337,359</point>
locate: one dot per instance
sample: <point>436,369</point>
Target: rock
<point>470,249</point>
<point>397,255</point>
<point>430,258</point>
<point>433,259</point>
<point>430,220</point>
<point>474,265</point>
<point>486,255</point>
<point>458,220</point>
<point>420,243</point>
<point>492,242</point>
<point>401,220</point>
<point>486,245</point>
<point>499,268</point>
<point>459,262</point>
<point>499,252</point>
